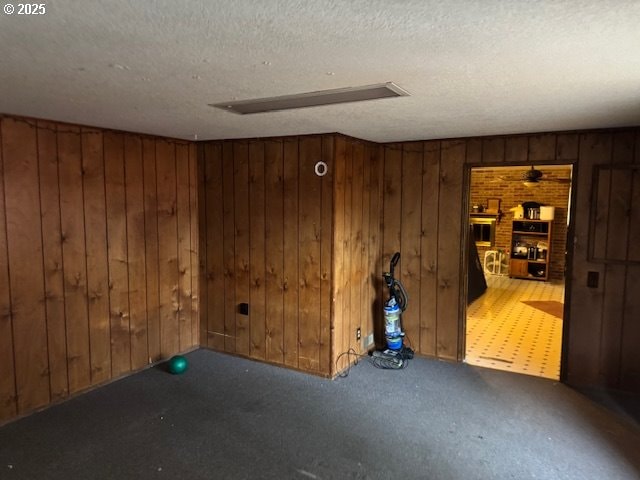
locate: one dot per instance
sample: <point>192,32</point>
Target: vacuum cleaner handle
<point>401,296</point>
<point>394,261</point>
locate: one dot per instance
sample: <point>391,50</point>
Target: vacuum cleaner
<point>396,353</point>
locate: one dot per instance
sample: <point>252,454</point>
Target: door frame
<point>568,265</point>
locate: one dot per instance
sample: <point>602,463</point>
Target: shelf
<point>538,234</point>
<point>522,266</point>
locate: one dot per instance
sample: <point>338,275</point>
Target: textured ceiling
<point>473,67</point>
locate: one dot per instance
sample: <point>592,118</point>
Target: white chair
<point>495,263</point>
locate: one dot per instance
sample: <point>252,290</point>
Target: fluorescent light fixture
<point>313,99</point>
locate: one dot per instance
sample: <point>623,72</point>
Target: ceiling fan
<point>531,178</point>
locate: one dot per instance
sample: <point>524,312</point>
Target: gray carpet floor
<point>230,418</point>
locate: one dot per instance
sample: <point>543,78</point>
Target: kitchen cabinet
<point>518,268</point>
<point>530,249</point>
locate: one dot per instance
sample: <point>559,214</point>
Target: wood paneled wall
<point>98,257</point>
<point>425,207</point>
<point>266,219</point>
<point>422,220</point>
<point>357,247</point>
<point>604,331</point>
<point>99,244</point>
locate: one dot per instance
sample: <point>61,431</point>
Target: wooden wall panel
<point>347,262</point>
<point>613,305</point>
<point>118,254</point>
<point>356,269</point>
<point>151,248</point>
<point>257,250</point>
<point>375,243</point>
<point>429,248</point>
<point>566,147</point>
<point>195,245</point>
<point>339,276</point>
<point>629,373</point>
<point>25,255</point>
<point>449,249</point>
<point>241,252</point>
<point>215,234</point>
<point>95,219</point>
<point>183,215</point>
<point>326,252</point>
<point>73,251</point>
<point>366,281</point>
<point>542,147</point>
<point>215,228</point>
<point>516,150</point>
<point>633,254</point>
<point>597,349</point>
<point>435,248</point>
<point>79,276</point>
<point>586,303</point>
<point>274,251</point>
<point>357,252</point>
<point>309,221</point>
<point>8,394</point>
<point>229,228</point>
<point>203,301</point>
<point>411,228</point>
<point>493,150</point>
<point>52,261</point>
<point>475,150</point>
<point>392,220</point>
<point>136,262</point>
<point>291,255</point>
<point>167,246</point>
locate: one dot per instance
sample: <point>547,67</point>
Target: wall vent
<point>313,99</point>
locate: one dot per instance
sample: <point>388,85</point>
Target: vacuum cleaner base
<point>392,359</point>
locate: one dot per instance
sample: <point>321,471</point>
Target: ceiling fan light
<point>531,183</point>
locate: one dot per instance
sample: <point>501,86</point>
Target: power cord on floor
<point>396,361</point>
<point>349,353</point>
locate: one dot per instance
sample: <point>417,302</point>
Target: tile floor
<point>506,334</point>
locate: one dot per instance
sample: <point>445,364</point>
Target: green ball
<point>178,364</point>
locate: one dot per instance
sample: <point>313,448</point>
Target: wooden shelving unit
<point>527,260</point>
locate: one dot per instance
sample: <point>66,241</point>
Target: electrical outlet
<point>358,333</point>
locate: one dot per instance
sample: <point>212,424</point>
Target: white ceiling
<point>473,67</point>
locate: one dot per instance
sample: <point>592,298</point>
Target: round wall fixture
<point>321,169</point>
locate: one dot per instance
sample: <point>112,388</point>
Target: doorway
<point>518,232</point>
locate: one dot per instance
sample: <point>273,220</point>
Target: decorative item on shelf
<point>547,213</point>
<point>542,247</point>
<point>493,205</point>
<point>518,212</point>
<point>531,210</point>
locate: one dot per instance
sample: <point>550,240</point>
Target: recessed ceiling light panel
<point>314,99</point>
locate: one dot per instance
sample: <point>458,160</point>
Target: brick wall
<point>503,183</point>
